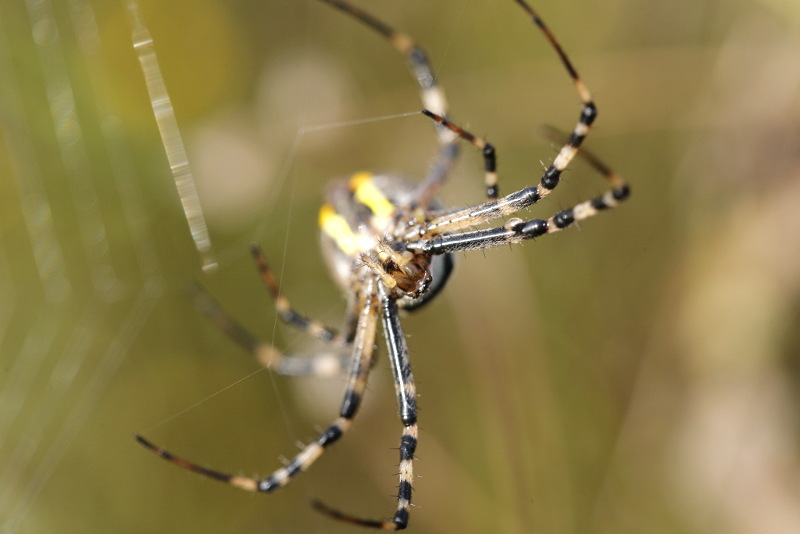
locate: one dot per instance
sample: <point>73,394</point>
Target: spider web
<point>72,307</point>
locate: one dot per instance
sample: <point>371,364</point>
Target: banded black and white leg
<point>432,95</point>
<point>499,207</point>
<point>517,230</point>
<point>331,362</point>
<point>433,99</point>
<point>363,346</point>
<point>407,403</point>
<point>287,313</point>
<point>552,175</point>
<point>462,218</point>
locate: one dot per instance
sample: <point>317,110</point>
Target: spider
<point>389,245</point>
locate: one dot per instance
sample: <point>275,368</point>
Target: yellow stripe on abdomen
<point>365,191</point>
<point>335,226</point>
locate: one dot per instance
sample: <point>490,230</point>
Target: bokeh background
<point>639,374</point>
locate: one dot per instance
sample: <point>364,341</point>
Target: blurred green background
<point>639,374</point>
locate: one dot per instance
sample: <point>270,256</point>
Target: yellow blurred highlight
<point>201,55</point>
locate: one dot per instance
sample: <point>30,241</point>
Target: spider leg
<point>517,230</point>
<point>407,403</point>
<point>614,179</point>
<point>328,363</point>
<point>474,215</point>
<point>487,150</point>
<point>550,179</point>
<point>433,99</point>
<point>552,175</point>
<point>284,308</point>
<point>456,219</point>
<point>432,95</point>
<point>356,385</point>
<point>440,168</point>
<point>324,364</point>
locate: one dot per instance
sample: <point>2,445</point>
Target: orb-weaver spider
<point>389,245</point>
